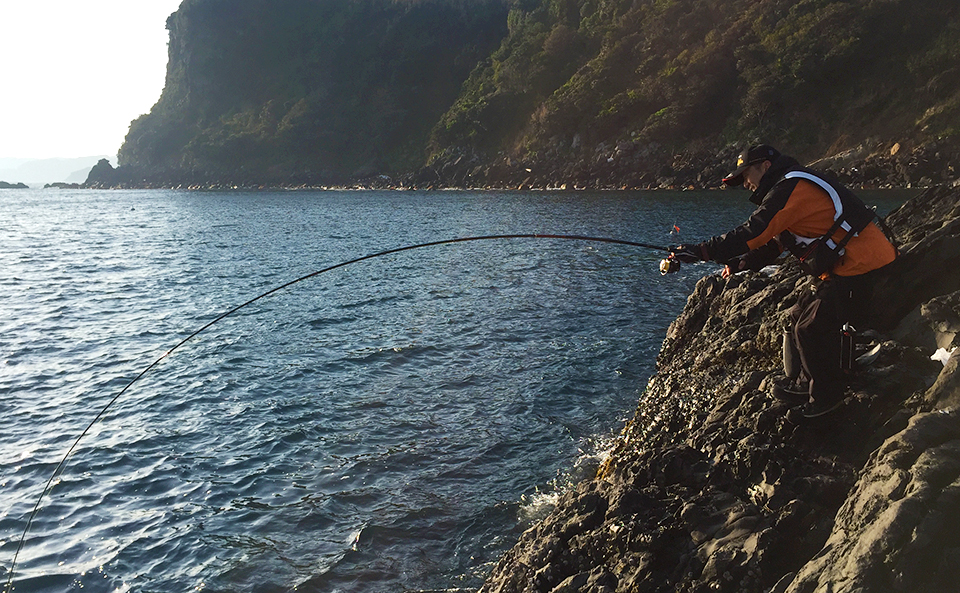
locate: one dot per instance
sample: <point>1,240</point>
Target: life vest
<point>818,255</point>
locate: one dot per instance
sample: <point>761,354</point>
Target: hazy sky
<point>74,74</point>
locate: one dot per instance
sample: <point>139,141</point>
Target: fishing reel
<point>669,266</point>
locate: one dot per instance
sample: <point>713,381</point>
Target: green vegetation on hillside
<point>337,89</point>
<point>689,73</point>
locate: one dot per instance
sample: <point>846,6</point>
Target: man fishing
<point>833,235</point>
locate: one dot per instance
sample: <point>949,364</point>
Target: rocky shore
<point>716,486</point>
<point>627,165</point>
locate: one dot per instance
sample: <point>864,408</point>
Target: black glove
<point>688,254</point>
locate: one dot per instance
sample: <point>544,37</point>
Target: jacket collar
<point>778,168</point>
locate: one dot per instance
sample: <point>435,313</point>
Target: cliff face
<point>588,93</point>
<point>291,91</point>
<point>714,486</point>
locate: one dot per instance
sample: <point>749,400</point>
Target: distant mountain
<point>37,172</point>
<point>539,92</point>
<point>80,175</point>
<point>11,163</point>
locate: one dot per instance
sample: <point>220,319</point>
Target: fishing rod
<point>8,587</point>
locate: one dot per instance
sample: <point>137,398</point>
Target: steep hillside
<point>639,92</point>
<point>283,91</point>
<point>598,93</point>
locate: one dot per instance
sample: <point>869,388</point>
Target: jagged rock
<point>928,228</point>
<point>714,486</point>
<point>899,529</point>
<point>943,314</point>
<point>102,175</point>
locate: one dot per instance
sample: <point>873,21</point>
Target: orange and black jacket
<point>797,206</point>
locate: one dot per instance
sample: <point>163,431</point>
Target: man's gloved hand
<point>688,254</point>
<point>734,267</point>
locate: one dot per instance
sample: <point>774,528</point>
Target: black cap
<point>750,156</point>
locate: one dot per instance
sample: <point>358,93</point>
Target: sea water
<point>391,425</point>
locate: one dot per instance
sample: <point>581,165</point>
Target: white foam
<point>538,505</point>
<point>593,452</point>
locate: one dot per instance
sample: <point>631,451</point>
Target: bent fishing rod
<point>8,587</point>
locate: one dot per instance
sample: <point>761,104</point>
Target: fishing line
<point>62,465</point>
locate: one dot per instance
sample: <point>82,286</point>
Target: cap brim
<point>735,178</point>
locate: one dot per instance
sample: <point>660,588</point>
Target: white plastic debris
<point>942,355</point>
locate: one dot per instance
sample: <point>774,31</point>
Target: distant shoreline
<point>361,186</point>
<point>5,185</point>
<point>901,171</point>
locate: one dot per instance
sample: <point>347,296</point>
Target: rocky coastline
<point>628,165</point>
<point>716,486</point>
<point>625,166</point>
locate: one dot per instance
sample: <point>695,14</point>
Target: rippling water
<point>392,425</point>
